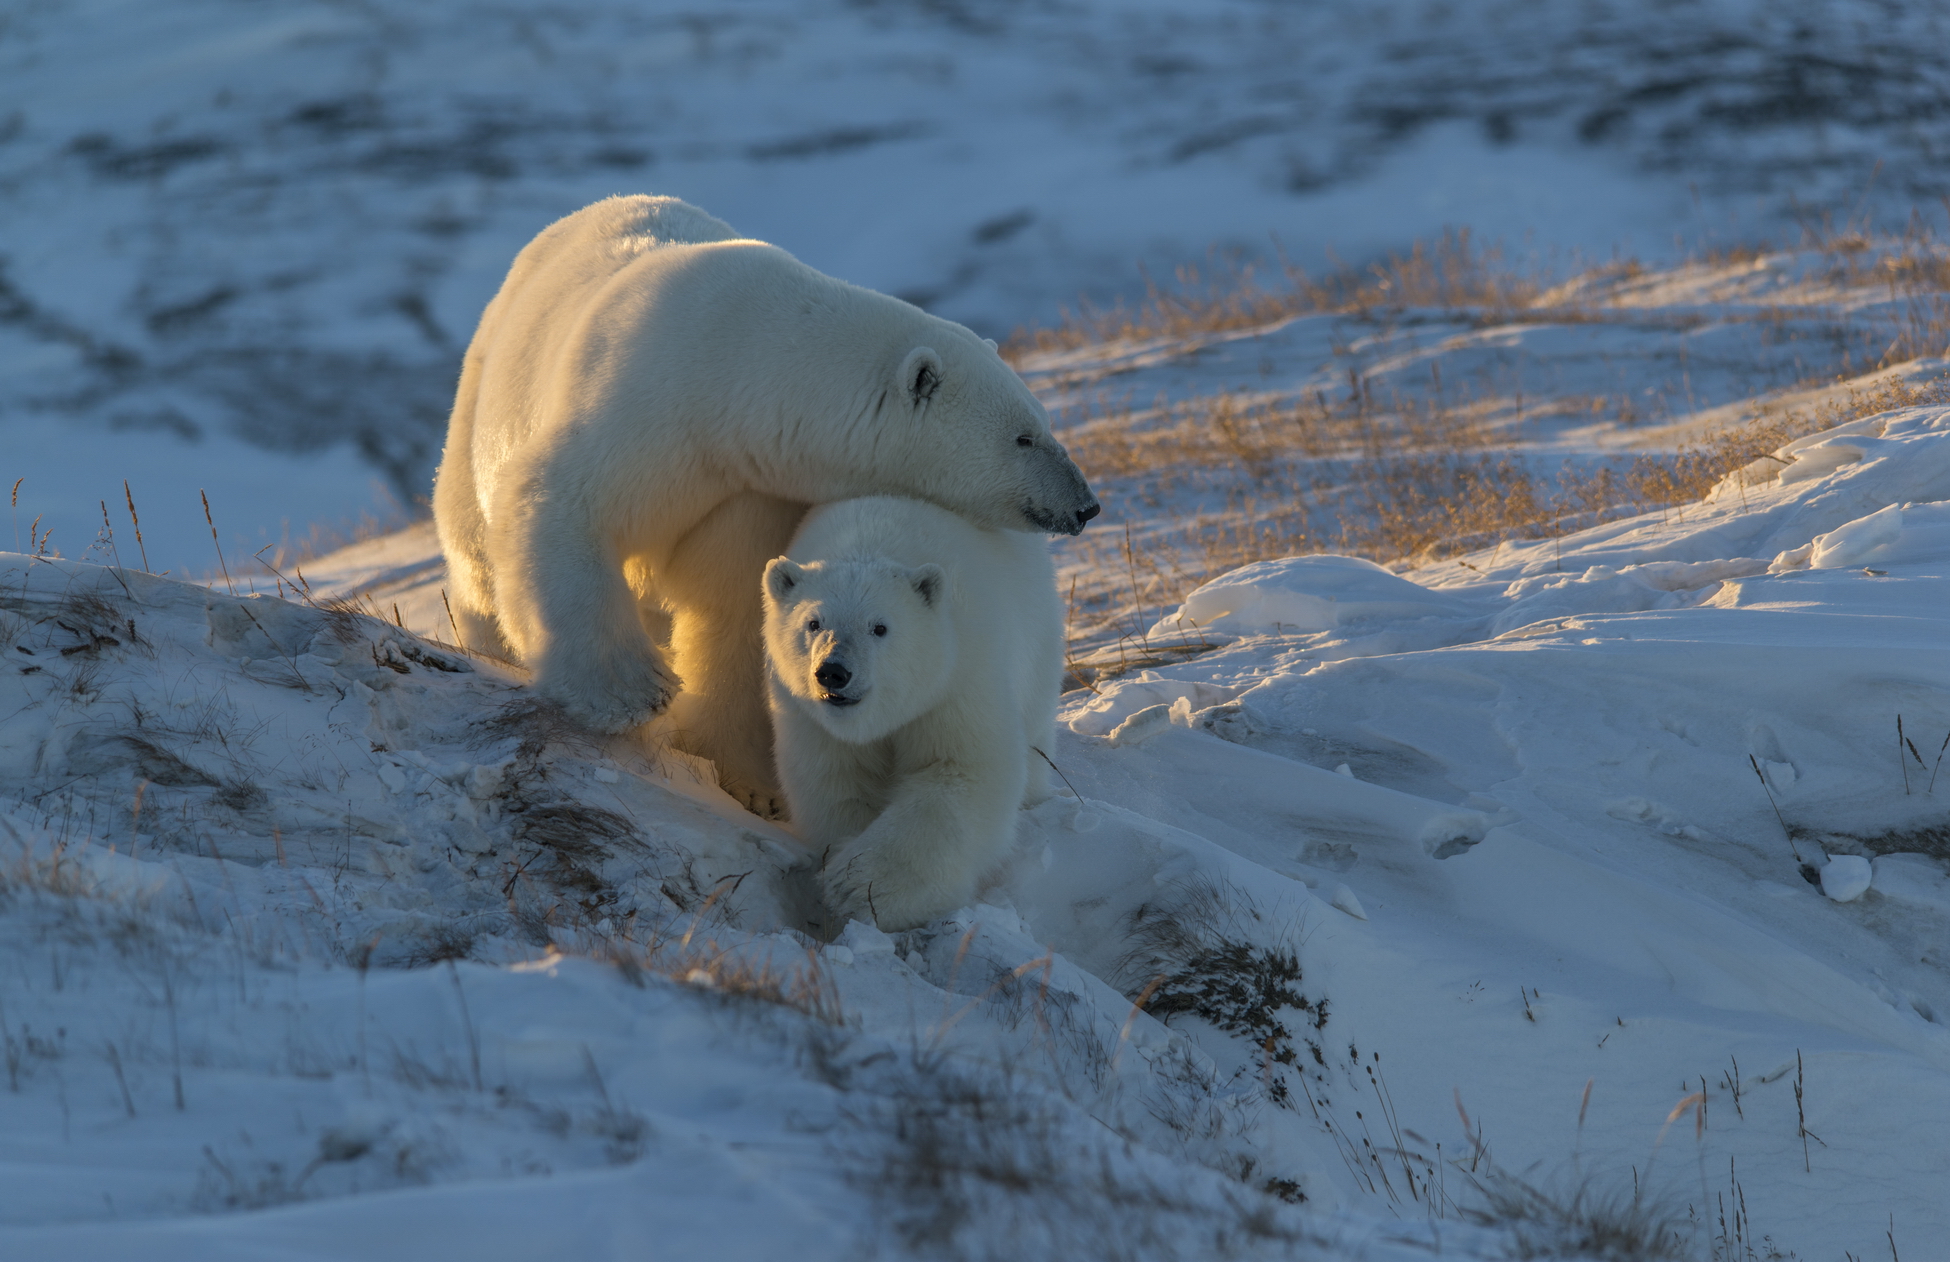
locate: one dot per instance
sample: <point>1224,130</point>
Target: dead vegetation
<point>56,872</point>
<point>1219,479</point>
<point>1229,295</point>
<point>1586,1220</point>
<point>1459,273</point>
<point>972,1162</point>
<point>675,950</point>
<point>1194,950</point>
<point>386,516</point>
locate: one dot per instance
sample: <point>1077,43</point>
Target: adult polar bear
<point>649,405</point>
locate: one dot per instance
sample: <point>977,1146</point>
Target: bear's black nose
<point>1084,515</point>
<point>831,675</point>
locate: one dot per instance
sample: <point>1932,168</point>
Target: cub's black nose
<point>1084,515</point>
<point>831,675</point>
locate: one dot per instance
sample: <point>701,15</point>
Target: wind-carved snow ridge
<point>1591,712</point>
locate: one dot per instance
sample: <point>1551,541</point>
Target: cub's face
<point>862,646</point>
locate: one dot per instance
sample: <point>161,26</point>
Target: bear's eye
<point>1024,440</point>
<point>880,628</point>
<point>813,626</point>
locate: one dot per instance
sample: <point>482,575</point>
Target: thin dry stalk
<point>113,1055</point>
<point>135,521</point>
<point>228,585</point>
<point>1801,1115</point>
<point>467,1020</point>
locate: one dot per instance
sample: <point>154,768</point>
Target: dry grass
<point>54,872</point>
<point>1430,504</point>
<point>971,1161</point>
<point>1233,429</point>
<point>1584,1221</point>
<point>1454,271</point>
<point>1393,478</point>
<point>386,516</point>
<point>748,972</point>
<point>1458,273</point>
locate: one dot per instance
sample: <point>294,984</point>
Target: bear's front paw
<point>870,884</point>
<point>764,803</point>
<point>626,694</point>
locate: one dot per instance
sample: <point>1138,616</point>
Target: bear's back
<point>526,346</point>
<point>567,265</point>
<point>602,238</point>
<point>640,298</point>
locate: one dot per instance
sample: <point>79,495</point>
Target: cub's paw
<point>764,803</point>
<point>628,694</point>
<point>862,884</point>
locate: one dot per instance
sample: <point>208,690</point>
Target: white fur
<point>911,792</point>
<point>646,409</point>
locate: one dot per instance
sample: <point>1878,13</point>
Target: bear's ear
<point>781,576</point>
<point>920,375</point>
<point>990,343</point>
<point>929,582</point>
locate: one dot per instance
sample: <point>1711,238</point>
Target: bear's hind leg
<point>470,600</point>
<point>469,590</point>
<point>712,584</point>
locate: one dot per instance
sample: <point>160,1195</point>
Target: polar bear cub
<point>914,662</point>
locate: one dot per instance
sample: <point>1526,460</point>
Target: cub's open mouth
<point>836,698</point>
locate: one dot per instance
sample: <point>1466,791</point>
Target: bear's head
<point>1003,468</point>
<point>862,646</point>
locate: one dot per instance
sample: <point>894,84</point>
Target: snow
<point>322,939</point>
<point>1846,877</point>
<point>1300,594</point>
<point>1507,862</point>
<point>1897,534</point>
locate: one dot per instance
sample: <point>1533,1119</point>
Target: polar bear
<point>915,660</point>
<point>648,407</point>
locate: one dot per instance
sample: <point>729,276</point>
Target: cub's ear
<point>781,576</point>
<point>930,581</point>
<point>990,343</point>
<point>920,375</point>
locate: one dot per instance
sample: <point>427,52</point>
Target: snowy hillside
<point>249,241</point>
<point>1509,683</point>
<point>1406,912</point>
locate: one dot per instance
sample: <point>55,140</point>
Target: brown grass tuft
<point>1453,271</point>
<point>1419,492</point>
<point>1458,273</point>
<point>53,873</point>
<point>751,972</point>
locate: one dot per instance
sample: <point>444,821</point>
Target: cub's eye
<point>1024,440</point>
<point>813,626</point>
<point>880,628</point>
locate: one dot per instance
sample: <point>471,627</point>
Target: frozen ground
<point>227,230</point>
<point>324,941</point>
